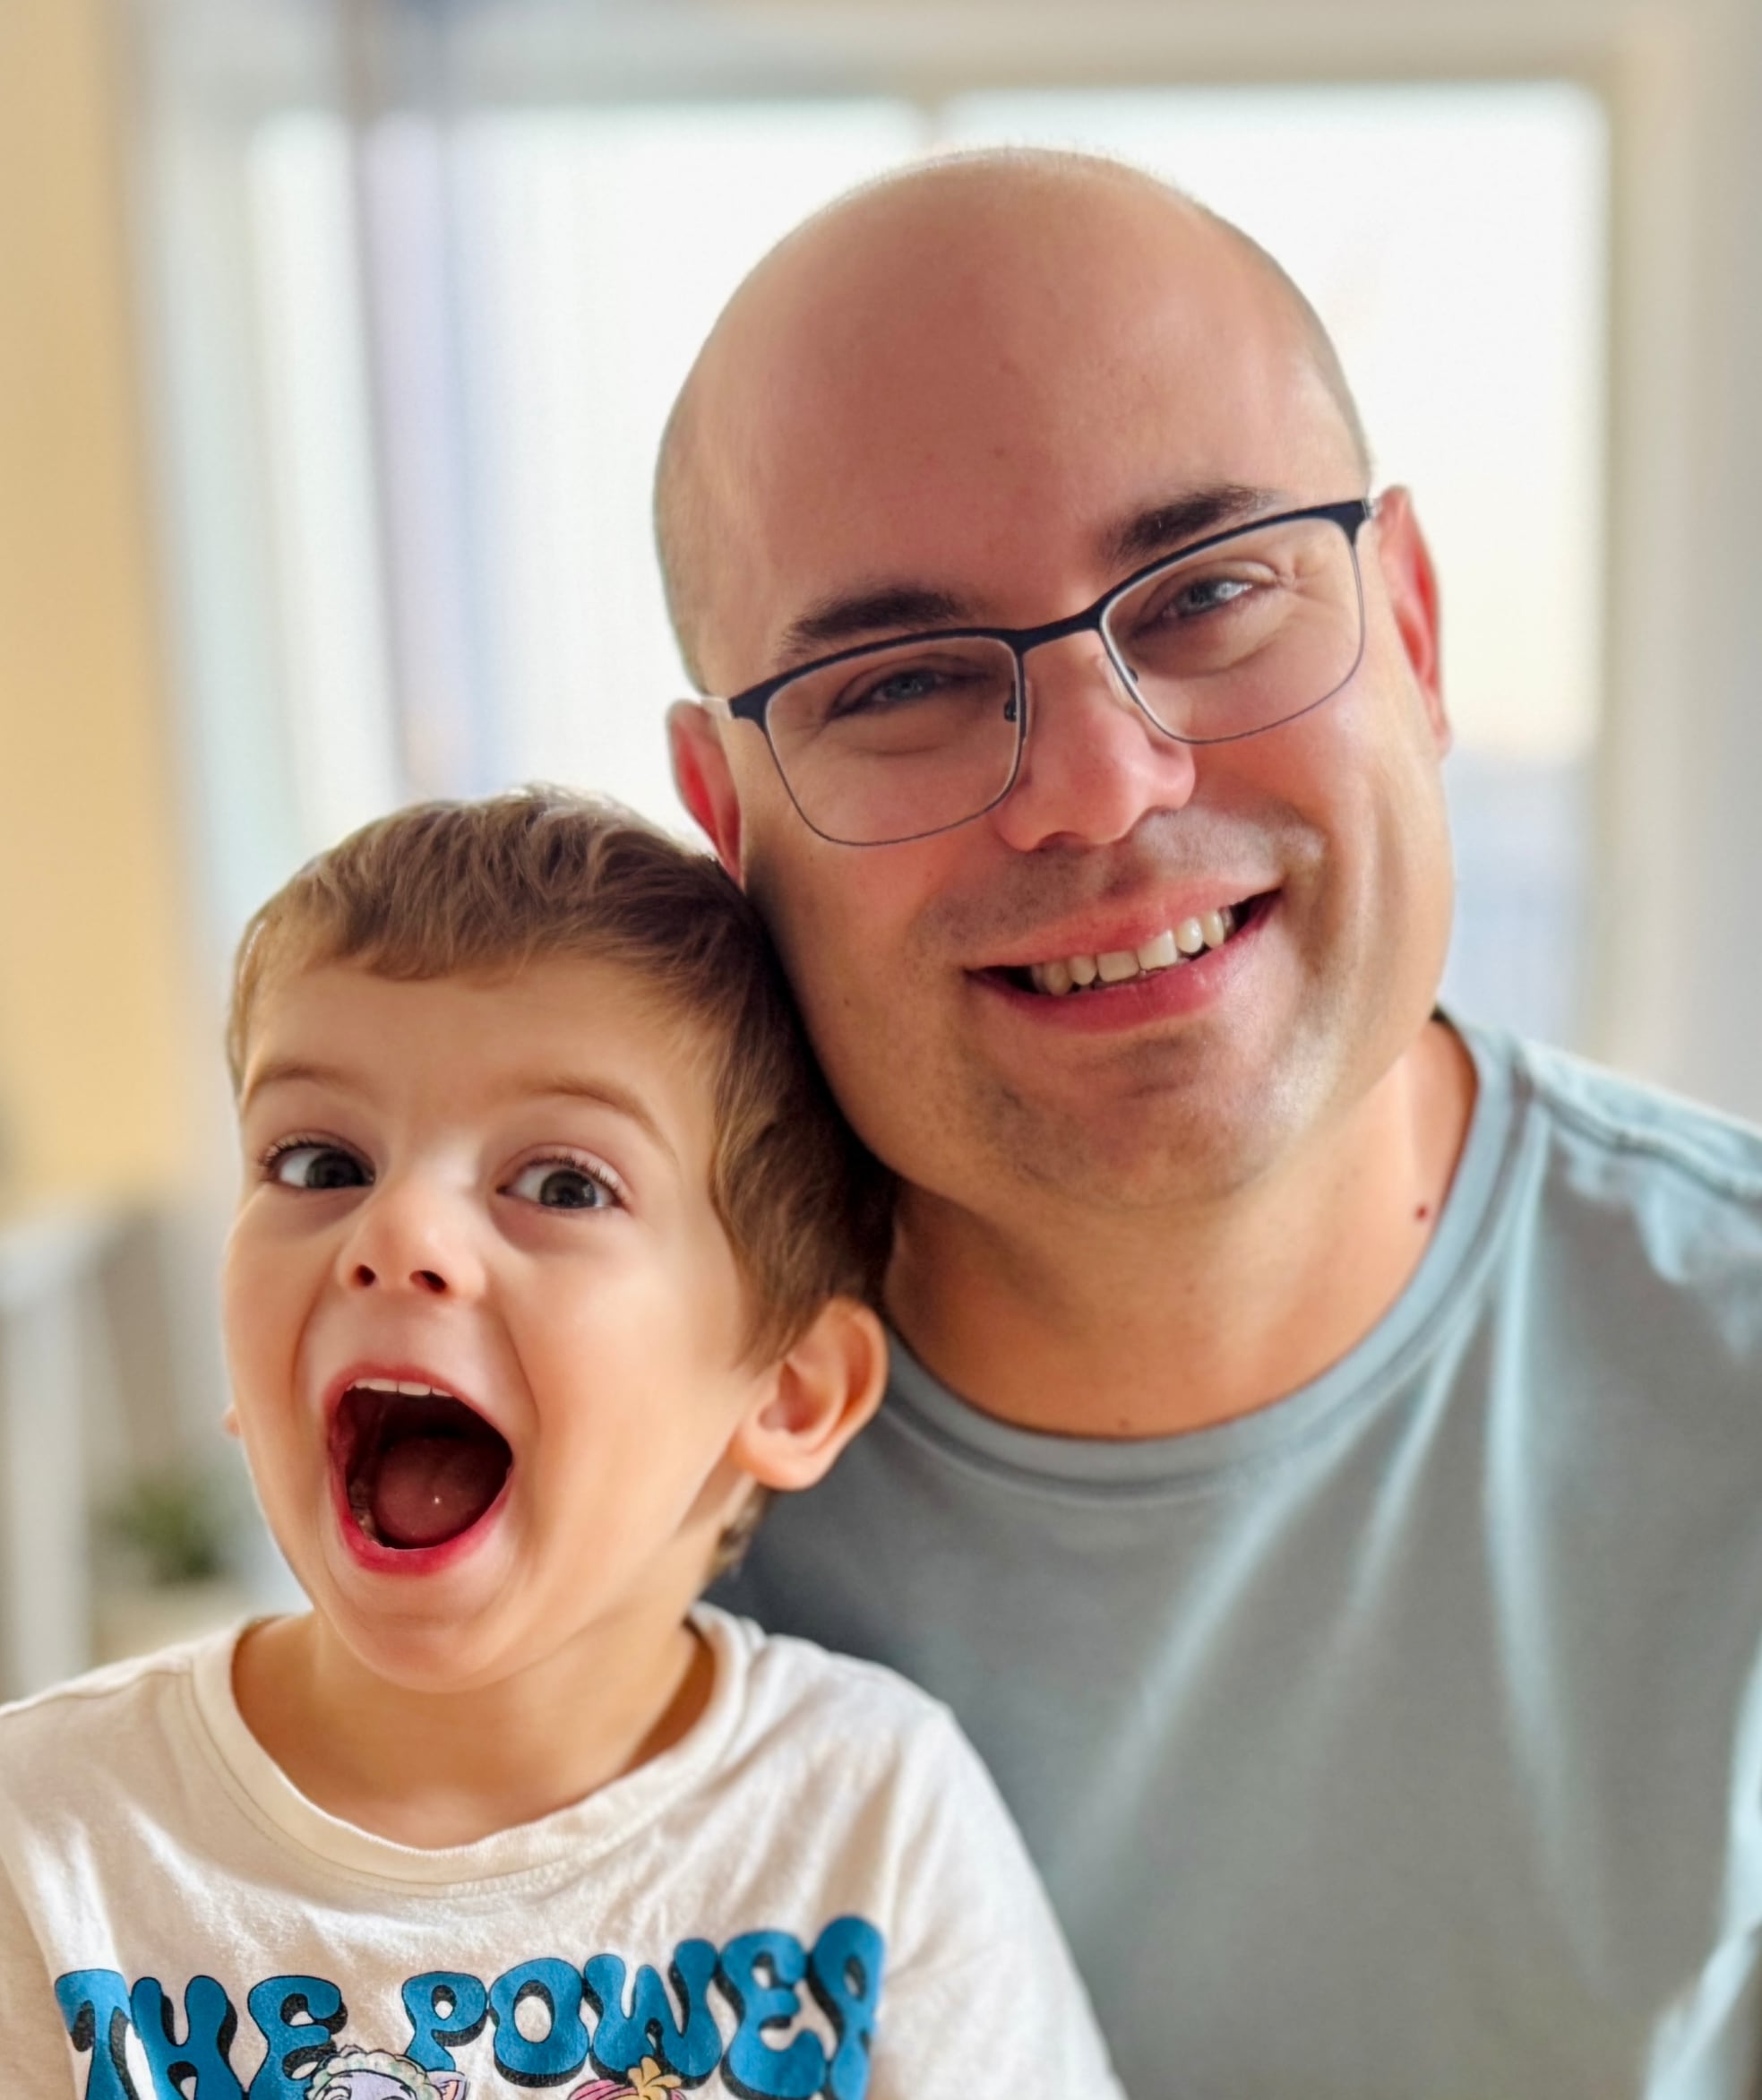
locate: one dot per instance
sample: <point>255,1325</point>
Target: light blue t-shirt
<point>1402,1740</point>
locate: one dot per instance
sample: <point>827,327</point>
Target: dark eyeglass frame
<point>753,705</point>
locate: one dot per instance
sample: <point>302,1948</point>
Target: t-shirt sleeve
<point>31,2034</point>
<point>981,1994</point>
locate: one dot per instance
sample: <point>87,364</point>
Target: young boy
<point>552,1259</point>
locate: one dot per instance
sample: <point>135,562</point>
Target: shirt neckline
<point>919,1405</point>
<point>579,1834</point>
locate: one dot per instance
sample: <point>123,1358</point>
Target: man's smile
<point>1121,959</point>
<point>1104,990</point>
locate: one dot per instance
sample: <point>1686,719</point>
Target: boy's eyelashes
<point>554,1180</point>
<point>315,1163</point>
<point>566,1181</point>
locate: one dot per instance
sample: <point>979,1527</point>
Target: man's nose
<point>411,1239</point>
<point>1093,763</point>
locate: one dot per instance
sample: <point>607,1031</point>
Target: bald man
<point>1323,1461</point>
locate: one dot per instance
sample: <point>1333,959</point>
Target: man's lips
<point>1105,927</point>
<point>1093,957</point>
<point>1145,998</point>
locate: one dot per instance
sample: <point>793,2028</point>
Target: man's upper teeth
<point>411,1388</point>
<point>1162,950</point>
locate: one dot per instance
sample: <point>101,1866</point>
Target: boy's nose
<point>424,1280</point>
<point>404,1241</point>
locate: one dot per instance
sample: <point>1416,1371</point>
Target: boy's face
<point>484,1326</point>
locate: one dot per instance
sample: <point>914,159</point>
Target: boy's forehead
<point>557,1024</point>
<point>565,987</point>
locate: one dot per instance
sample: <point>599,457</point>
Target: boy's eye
<point>318,1167</point>
<point>555,1185</point>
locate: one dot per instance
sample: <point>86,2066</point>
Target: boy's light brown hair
<point>479,889</point>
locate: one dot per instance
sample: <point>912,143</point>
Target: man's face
<point>986,425</point>
<point>484,1325</point>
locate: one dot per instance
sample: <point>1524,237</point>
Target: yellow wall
<point>94,975</point>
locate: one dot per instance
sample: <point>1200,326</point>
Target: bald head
<point>874,322</point>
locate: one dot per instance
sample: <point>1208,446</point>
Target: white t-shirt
<point>816,1891</point>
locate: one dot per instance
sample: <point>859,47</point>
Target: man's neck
<point>1152,1324</point>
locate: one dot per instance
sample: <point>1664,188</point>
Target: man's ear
<point>700,772</point>
<point>821,1393</point>
<point>1411,585</point>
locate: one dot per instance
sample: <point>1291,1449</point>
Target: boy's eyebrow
<point>289,1071</point>
<point>283,1072</point>
<point>605,1094</point>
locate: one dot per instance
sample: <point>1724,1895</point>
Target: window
<point>455,339</point>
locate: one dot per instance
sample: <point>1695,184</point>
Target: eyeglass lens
<point>917,736</point>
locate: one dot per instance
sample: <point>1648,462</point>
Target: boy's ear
<point>821,1393</point>
<point>229,1421</point>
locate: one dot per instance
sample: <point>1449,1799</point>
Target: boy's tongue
<point>422,1467</point>
<point>428,1489</point>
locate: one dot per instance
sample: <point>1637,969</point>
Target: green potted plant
<point>167,1572</point>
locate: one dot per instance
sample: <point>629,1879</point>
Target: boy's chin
<point>431,1619</point>
<point>414,1645</point>
<point>481,1610</point>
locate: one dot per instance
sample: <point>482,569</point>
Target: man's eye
<point>1192,597</point>
<point>554,1184</point>
<point>317,1166</point>
<point>895,689</point>
<point>1206,594</point>
<point>956,677</point>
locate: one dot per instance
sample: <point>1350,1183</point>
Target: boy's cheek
<point>261,1295</point>
<point>238,1296</point>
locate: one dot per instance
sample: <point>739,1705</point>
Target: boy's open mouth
<point>419,1466</point>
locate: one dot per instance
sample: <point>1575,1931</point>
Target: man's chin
<point>1148,1150</point>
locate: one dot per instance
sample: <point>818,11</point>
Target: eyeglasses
<point>897,740</point>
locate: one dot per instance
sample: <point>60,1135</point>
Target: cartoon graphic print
<point>376,2074</point>
<point>652,2083</point>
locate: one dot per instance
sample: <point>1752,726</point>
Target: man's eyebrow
<point>1167,527</point>
<point>876,609</point>
<point>881,610</point>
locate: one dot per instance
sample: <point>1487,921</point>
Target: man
<point>1325,1445</point>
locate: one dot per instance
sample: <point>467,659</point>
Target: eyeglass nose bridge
<point>1092,621</point>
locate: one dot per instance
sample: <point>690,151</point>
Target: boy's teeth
<point>411,1388</point>
<point>1165,950</point>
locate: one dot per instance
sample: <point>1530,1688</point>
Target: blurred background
<point>336,337</point>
